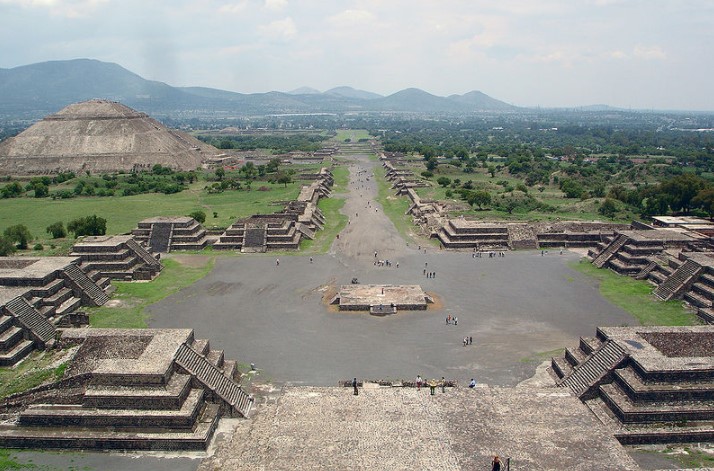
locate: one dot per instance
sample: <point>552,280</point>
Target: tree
<point>681,191</point>
<point>18,234</point>
<point>608,208</point>
<point>571,188</point>
<point>431,164</point>
<point>443,181</point>
<point>198,215</point>
<point>284,178</point>
<point>705,200</point>
<point>479,198</point>
<point>220,173</point>
<point>88,225</point>
<point>57,230</point>
<point>11,190</point>
<point>6,246</point>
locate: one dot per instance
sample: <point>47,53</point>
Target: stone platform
<point>402,428</point>
<point>377,297</point>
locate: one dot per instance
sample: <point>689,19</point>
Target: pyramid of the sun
<point>99,136</point>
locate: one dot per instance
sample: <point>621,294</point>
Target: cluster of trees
<point>276,144</point>
<point>247,174</point>
<point>19,236</point>
<point>159,179</point>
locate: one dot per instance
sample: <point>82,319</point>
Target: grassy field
<point>132,298</point>
<point>353,134</point>
<point>635,297</point>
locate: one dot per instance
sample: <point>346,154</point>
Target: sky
<point>639,54</point>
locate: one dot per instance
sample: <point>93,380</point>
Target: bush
<point>19,234</point>
<point>38,247</point>
<point>6,246</point>
<point>427,174</point>
<point>198,215</point>
<point>57,230</point>
<point>89,225</point>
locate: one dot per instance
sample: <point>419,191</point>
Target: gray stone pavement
<point>311,428</point>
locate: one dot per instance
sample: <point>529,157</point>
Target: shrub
<point>18,234</point>
<point>6,246</point>
<point>57,230</point>
<point>198,215</point>
<point>38,247</point>
<point>89,225</point>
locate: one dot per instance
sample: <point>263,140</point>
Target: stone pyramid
<point>99,136</point>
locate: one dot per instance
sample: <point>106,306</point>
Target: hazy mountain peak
<point>304,91</point>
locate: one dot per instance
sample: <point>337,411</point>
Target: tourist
<point>443,385</point>
<point>466,341</point>
<point>310,259</point>
<point>472,384</point>
<point>418,382</point>
<point>432,387</point>
<point>456,320</point>
<point>496,464</point>
<point>277,262</point>
<point>354,386</point>
<point>447,320</point>
<point>471,340</point>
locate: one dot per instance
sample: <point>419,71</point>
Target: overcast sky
<point>646,54</point>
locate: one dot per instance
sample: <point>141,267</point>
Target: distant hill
<point>36,90</point>
<point>349,92</point>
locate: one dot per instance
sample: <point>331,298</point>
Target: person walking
<point>277,262</point>
<point>472,384</point>
<point>443,385</point>
<point>496,464</point>
<point>418,382</point>
<point>354,386</point>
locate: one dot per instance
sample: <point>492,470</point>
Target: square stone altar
<point>381,297</point>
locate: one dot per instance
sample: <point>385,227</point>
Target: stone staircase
<point>679,281</point>
<point>32,320</point>
<point>254,239</point>
<point>591,372</point>
<point>160,237</point>
<point>601,259</point>
<point>91,292</point>
<point>644,273</point>
<point>214,378</point>
<point>142,253</point>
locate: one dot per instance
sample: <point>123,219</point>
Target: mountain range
<point>35,90</point>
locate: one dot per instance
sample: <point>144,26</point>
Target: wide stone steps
<point>639,391</point>
<point>108,439</point>
<point>137,397</point>
<point>643,412</point>
<point>16,353</point>
<point>10,337</point>
<point>561,367</point>
<point>696,299</point>
<point>590,344</point>
<point>610,250</point>
<point>677,280</point>
<point>31,319</point>
<point>86,284</point>
<point>213,378</point>
<point>706,314</point>
<point>68,306</point>
<point>52,415</point>
<point>689,433</point>
<point>58,298</point>
<point>589,373</point>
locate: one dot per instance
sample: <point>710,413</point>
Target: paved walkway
<point>402,428</point>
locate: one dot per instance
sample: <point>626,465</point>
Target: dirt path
<point>369,229</point>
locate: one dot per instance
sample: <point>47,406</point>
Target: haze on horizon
<point>641,54</point>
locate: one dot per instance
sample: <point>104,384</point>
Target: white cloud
<point>649,53</point>
<point>279,29</point>
<point>65,8</point>
<point>618,55</point>
<point>276,5</point>
<point>233,8</point>
<point>350,17</point>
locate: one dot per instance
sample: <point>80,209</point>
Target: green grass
<point>354,134</point>
<point>34,371</point>
<point>695,459</point>
<point>134,297</point>
<point>395,208</point>
<point>635,297</point>
<point>124,212</point>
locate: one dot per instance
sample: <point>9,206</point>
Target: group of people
<point>384,263</point>
<point>468,340</point>
<point>450,320</point>
<point>491,254</point>
<point>433,384</point>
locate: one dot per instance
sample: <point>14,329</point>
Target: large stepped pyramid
<point>115,257</point>
<point>164,234</point>
<point>138,389</point>
<point>99,136</point>
<point>648,384</point>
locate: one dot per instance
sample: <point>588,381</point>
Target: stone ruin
<point>163,234</point>
<point>99,136</point>
<point>647,384</point>
<point>116,257</point>
<point>134,389</point>
<point>461,233</point>
<point>282,230</point>
<point>679,263</point>
<point>381,300</point>
<point>39,294</point>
